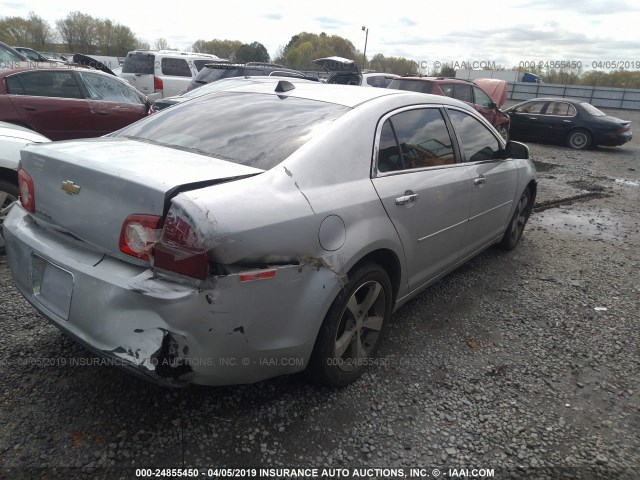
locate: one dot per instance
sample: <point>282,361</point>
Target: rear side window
<point>139,62</point>
<point>258,130</point>
<point>421,140</point>
<point>561,109</point>
<point>175,67</point>
<point>421,86</point>
<point>108,89</point>
<point>462,92</point>
<point>476,141</point>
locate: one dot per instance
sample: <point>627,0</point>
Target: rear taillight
<point>27,192</point>
<point>157,84</point>
<point>139,234</point>
<point>180,249</point>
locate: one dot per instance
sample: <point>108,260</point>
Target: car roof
<point>346,95</point>
<point>438,79</point>
<point>63,66</point>
<point>555,99</point>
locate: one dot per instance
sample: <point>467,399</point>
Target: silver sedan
<point>263,230</point>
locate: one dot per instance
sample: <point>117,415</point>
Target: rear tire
<point>579,139</point>
<point>8,194</point>
<point>352,329</point>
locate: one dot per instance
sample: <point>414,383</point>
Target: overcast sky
<point>504,33</point>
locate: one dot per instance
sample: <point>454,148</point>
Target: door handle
<point>479,181</point>
<point>566,121</point>
<point>406,199</point>
<point>27,107</point>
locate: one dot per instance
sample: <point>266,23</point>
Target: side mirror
<point>516,150</point>
<point>492,105</point>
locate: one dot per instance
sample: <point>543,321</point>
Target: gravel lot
<point>526,362</point>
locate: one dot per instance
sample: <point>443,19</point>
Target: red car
<point>464,90</point>
<point>69,102</point>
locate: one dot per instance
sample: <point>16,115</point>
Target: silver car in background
<point>12,139</point>
<point>262,230</point>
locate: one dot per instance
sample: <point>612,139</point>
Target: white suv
<point>163,73</point>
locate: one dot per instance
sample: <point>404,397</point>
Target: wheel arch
<point>390,262</point>
<point>9,175</point>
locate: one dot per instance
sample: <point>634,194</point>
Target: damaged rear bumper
<point>223,331</point>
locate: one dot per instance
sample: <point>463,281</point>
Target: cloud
<point>407,21</point>
<point>273,16</point>
<point>330,23</point>
<point>587,7</point>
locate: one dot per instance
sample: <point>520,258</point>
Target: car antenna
<point>284,86</point>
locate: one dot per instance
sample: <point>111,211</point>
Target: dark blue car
<point>576,123</point>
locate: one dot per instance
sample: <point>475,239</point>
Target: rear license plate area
<point>52,286</point>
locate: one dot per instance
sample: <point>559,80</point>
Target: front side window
<point>482,98</point>
<point>415,139</point>
<point>476,141</point>
<point>530,107</point>
<point>175,67</point>
<point>108,89</point>
<point>44,84</point>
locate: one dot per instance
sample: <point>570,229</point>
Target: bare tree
<point>161,44</point>
<point>40,31</point>
<point>78,31</point>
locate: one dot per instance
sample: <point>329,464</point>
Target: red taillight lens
<point>157,84</point>
<point>139,234</point>
<point>180,250</point>
<point>27,192</point>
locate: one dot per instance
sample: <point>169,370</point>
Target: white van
<point>163,73</point>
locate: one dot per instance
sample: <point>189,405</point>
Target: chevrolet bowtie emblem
<point>70,187</point>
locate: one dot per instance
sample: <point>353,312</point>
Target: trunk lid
<point>86,188</point>
<point>338,65</point>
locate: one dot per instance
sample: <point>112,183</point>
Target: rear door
<point>558,119</point>
<point>51,103</point>
<point>493,180</point>
<point>424,189</point>
<point>113,105</point>
<point>139,70</point>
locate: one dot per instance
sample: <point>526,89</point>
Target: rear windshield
<point>139,62</point>
<point>258,130</point>
<point>212,74</point>
<point>592,110</point>
<point>421,86</point>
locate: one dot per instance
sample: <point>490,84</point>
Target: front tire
<point>351,331</point>
<point>516,226</point>
<point>579,139</point>
<point>8,194</point>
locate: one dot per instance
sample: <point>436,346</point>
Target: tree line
<point>82,33</point>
